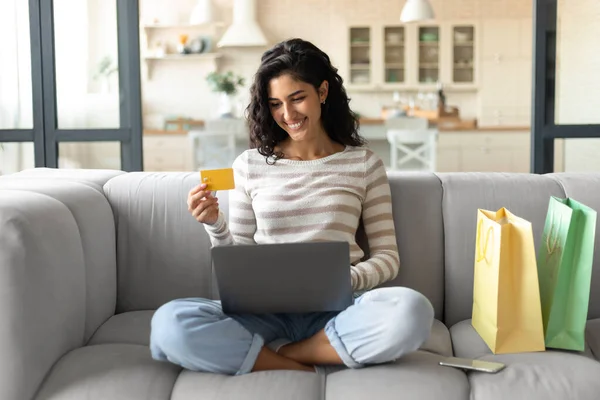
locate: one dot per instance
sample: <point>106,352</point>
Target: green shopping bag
<point>565,257</point>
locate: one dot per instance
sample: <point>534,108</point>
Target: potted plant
<point>227,85</point>
<point>104,70</point>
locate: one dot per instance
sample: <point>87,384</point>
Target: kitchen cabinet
<point>484,151</point>
<point>394,51</point>
<point>489,151</point>
<point>481,150</point>
<point>429,54</point>
<point>506,72</point>
<point>361,56</point>
<point>464,54</point>
<point>448,159</point>
<point>411,56</point>
<point>167,152</point>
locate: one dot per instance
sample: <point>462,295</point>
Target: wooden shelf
<point>186,57</point>
<point>211,57</point>
<point>183,26</point>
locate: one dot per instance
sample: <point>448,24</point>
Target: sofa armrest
<point>42,289</point>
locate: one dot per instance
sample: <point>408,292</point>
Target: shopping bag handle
<point>483,255</point>
<point>552,246</point>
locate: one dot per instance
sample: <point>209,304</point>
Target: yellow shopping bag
<point>507,311</point>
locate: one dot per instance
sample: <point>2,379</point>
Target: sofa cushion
<point>415,376</point>
<point>439,341</point>
<point>416,199</point>
<point>109,371</point>
<point>96,229</point>
<point>264,385</point>
<point>592,336</point>
<point>134,327</point>
<point>95,178</point>
<point>42,289</point>
<point>585,187</point>
<point>131,327</point>
<point>526,195</point>
<point>468,344</point>
<point>550,375</point>
<point>163,253</point>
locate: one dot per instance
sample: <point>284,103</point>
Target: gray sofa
<point>86,256</point>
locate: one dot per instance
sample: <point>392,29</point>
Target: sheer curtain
<point>85,33</point>
<point>15,83</point>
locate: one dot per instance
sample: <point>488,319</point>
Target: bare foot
<point>268,360</point>
<point>314,350</point>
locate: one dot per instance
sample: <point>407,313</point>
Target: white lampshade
<point>203,13</point>
<point>417,10</point>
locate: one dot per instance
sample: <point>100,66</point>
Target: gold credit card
<point>218,179</point>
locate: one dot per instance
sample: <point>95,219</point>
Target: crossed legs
<point>300,355</point>
<point>381,326</point>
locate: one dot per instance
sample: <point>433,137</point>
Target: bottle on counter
<point>441,98</point>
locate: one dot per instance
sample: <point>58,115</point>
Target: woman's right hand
<point>203,206</point>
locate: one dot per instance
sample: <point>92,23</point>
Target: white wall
<point>578,79</point>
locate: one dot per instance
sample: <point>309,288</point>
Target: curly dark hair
<point>307,63</point>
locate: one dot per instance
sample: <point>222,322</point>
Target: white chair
<point>413,149</point>
<point>406,123</point>
<point>215,145</point>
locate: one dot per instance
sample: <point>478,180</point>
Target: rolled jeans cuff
<point>250,360</point>
<point>339,346</point>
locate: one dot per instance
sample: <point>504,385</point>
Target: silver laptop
<point>283,278</point>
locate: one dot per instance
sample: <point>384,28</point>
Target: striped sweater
<point>317,200</point>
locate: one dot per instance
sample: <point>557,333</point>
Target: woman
<point>308,179</point>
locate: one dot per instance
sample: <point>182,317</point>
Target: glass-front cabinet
<point>463,54</point>
<point>429,54</point>
<point>413,56</point>
<point>360,56</point>
<point>393,54</point>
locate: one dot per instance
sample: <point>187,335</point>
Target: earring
<point>323,102</point>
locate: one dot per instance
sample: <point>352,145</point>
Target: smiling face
<point>296,106</point>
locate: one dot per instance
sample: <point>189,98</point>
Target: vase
<point>225,109</point>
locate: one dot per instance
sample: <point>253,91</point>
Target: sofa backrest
<point>84,198</point>
<point>163,253</point>
<point>417,199</point>
<point>527,196</point>
<point>524,195</point>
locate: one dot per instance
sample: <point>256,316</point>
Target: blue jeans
<point>381,326</point>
